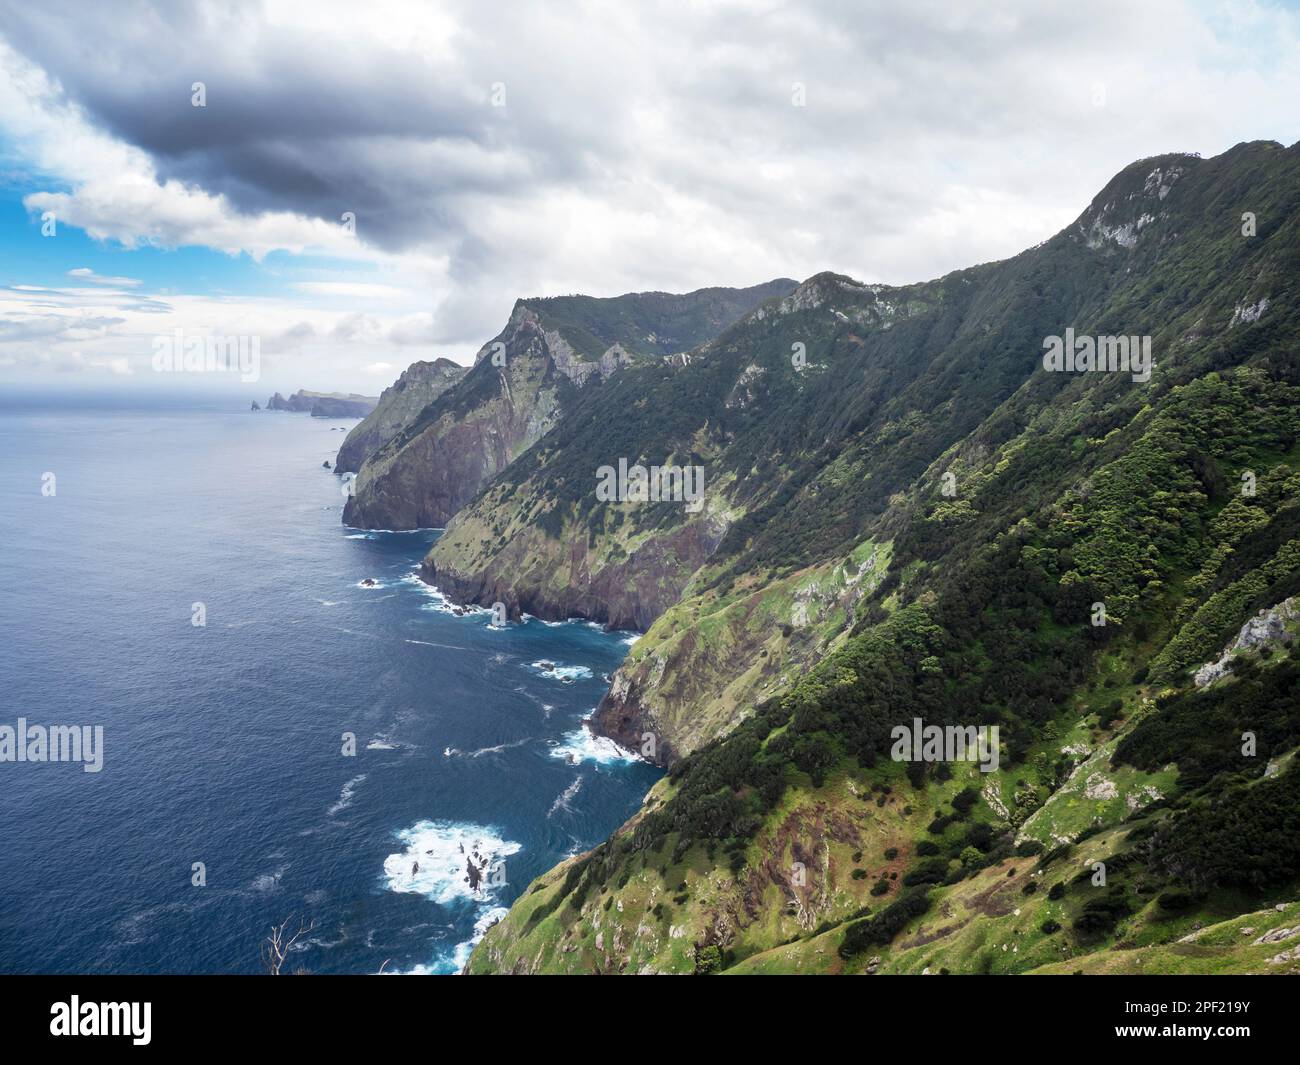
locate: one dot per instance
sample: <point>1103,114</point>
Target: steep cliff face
<point>942,513</point>
<point>710,658</point>
<point>399,405</point>
<point>495,553</point>
<point>810,415</point>
<point>522,382</point>
<point>437,463</point>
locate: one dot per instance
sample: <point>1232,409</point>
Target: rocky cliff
<point>324,404</point>
<point>923,521</point>
<point>550,352</point>
<point>399,405</point>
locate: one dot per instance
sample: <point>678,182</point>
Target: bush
<point>1050,927</point>
<point>881,929</point>
<point>1177,900</point>
<point>1101,915</point>
<point>1056,891</point>
<point>932,872</point>
<point>980,835</point>
<point>708,960</point>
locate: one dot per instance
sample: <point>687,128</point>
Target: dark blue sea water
<point>222,743</point>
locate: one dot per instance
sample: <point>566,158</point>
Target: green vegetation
<point>1125,814</point>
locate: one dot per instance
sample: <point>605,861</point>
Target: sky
<point>358,186</point>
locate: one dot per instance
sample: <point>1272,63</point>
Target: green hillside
<point>785,838</point>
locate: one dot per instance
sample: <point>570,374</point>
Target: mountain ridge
<point>974,604</point>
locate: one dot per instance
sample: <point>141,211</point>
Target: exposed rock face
<point>1265,628</point>
<point>564,578</point>
<point>435,465</point>
<point>324,404</point>
<point>703,666</point>
<point>399,405</point>
<point>521,383</point>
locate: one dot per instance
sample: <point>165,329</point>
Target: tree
<point>279,943</point>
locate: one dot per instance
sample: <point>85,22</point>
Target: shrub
<point>1177,900</point>
<point>881,929</point>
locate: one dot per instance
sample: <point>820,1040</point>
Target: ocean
<point>227,802</point>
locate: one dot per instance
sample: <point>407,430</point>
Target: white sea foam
<point>390,532</point>
<point>460,956</point>
<point>345,796</point>
<point>431,643</point>
<point>566,674</point>
<point>455,960</point>
<point>583,745</point>
<point>562,801</point>
<point>452,752</point>
<point>436,857</point>
<point>439,602</point>
<point>269,882</point>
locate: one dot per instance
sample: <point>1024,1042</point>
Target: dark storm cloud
<point>302,120</point>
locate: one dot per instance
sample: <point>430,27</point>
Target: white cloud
<point>84,273</point>
<point>640,147</point>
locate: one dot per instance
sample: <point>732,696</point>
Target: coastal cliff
<point>399,404</point>
<point>324,404</point>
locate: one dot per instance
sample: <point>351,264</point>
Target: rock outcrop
<point>1268,627</point>
<point>522,382</point>
<point>324,404</point>
<point>399,405</point>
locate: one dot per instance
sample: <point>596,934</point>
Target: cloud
<point>638,146</point>
<point>84,273</point>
